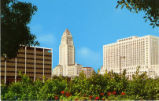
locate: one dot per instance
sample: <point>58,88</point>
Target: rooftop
<point>129,38</point>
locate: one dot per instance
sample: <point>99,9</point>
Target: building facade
<point>35,62</point>
<point>67,65</point>
<point>131,53</point>
<point>88,71</point>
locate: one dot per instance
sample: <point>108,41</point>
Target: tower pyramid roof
<point>66,32</point>
<point>66,37</point>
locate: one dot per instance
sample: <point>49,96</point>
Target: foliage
<point>149,7</point>
<point>79,85</point>
<point>20,90</point>
<point>52,88</point>
<point>110,86</point>
<point>15,15</point>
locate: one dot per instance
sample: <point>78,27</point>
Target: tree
<point>15,16</point>
<point>149,7</point>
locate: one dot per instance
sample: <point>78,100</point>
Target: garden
<point>110,86</point>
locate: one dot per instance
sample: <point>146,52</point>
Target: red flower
<point>62,92</point>
<point>122,93</point>
<point>101,94</point>
<point>68,94</point>
<point>103,99</point>
<point>109,93</point>
<point>114,92</point>
<point>90,97</point>
<point>76,99</point>
<point>56,97</point>
<point>97,98</point>
<point>84,95</point>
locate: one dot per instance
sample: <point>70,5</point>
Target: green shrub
<point>52,88</point>
<point>110,86</point>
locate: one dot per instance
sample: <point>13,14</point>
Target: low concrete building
<point>35,62</point>
<point>88,71</point>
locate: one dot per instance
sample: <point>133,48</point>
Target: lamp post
<point>120,62</point>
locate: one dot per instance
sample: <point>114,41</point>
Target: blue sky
<point>92,23</point>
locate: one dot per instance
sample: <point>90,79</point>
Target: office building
<point>35,62</point>
<point>131,53</point>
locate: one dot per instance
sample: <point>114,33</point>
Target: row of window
<point>33,54</point>
<point>26,67</point>
<point>31,63</point>
<point>27,72</point>
<point>29,58</point>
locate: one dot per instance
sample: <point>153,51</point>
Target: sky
<point>92,23</point>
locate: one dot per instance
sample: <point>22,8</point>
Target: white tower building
<point>67,66</point>
<point>66,49</point>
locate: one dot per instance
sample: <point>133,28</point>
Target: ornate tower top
<point>67,38</point>
<point>66,33</point>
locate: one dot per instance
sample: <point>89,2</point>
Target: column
<point>25,58</point>
<point>15,69</point>
<point>34,63</point>
<point>43,65</point>
<point>5,64</point>
<point>51,63</point>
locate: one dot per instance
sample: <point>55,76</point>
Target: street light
<point>120,62</point>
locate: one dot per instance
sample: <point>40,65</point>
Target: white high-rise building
<point>66,49</point>
<point>67,66</point>
<point>131,53</point>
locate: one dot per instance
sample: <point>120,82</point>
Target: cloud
<point>46,39</point>
<point>36,28</point>
<point>86,52</point>
<point>88,57</point>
